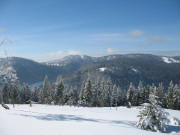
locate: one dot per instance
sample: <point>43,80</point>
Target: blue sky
<point>51,29</point>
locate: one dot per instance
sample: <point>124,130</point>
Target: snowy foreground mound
<point>65,120</point>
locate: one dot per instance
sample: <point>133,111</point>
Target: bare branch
<point>3,41</point>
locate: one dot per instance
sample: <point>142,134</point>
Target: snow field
<point>66,120</point>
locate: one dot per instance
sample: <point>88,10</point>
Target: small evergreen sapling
<point>152,116</point>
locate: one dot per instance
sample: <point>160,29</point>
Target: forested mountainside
<point>120,69</point>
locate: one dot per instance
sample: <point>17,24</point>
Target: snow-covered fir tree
<point>136,98</point>
<point>121,96</point>
<point>141,91</point>
<point>59,91</point>
<point>170,95</point>
<point>147,93</point>
<point>6,93</point>
<point>81,100</point>
<point>100,93</point>
<point>14,92</point>
<point>45,93</point>
<point>36,94</point>
<point>88,94</point>
<point>152,116</point>
<point>130,94</point>
<point>71,97</point>
<point>95,86</point>
<point>25,94</point>
<point>108,86</point>
<point>1,99</point>
<point>176,97</point>
<point>114,98</point>
<point>160,95</point>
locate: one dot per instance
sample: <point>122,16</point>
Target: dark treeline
<point>93,92</point>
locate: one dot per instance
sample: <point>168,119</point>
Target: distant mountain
<point>71,63</point>
<point>25,70</point>
<point>121,69</point>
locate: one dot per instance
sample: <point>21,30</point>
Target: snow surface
<point>55,64</point>
<point>65,120</point>
<point>135,70</point>
<point>170,60</point>
<point>102,69</point>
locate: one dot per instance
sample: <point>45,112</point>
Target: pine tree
<point>71,97</point>
<point>114,98</point>
<point>59,91</point>
<point>170,95</point>
<point>108,86</point>
<point>130,94</point>
<point>25,93</point>
<point>45,93</point>
<point>1,99</point>
<point>5,93</point>
<point>120,96</point>
<point>152,116</point>
<point>14,93</point>
<point>160,95</point>
<point>137,98</point>
<point>88,94</point>
<point>100,94</point>
<point>147,93</point>
<point>141,95</point>
<point>95,86</point>
<point>36,94</point>
<point>176,98</point>
<point>81,100</point>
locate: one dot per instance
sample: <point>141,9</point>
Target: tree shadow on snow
<point>59,117</point>
<point>172,128</point>
<point>64,117</point>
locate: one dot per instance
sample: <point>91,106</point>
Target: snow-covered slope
<point>120,68</point>
<point>102,69</point>
<point>170,60</point>
<point>64,120</point>
<point>25,70</point>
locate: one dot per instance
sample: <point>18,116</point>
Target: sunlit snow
<point>65,120</point>
<point>170,60</point>
<point>102,69</point>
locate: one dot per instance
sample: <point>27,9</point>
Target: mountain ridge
<point>122,69</point>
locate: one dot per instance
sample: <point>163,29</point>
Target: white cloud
<point>72,52</point>
<point>53,55</point>
<point>157,39</point>
<point>136,33</point>
<point>111,51</point>
<point>56,54</point>
<point>107,36</point>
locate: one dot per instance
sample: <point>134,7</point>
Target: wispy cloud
<point>54,55</point>
<point>106,36</point>
<point>111,51</point>
<point>73,52</point>
<point>136,33</point>
<point>157,39</point>
<point>125,37</point>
